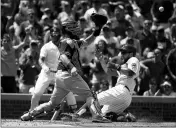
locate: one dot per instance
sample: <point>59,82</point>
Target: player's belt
<point>53,71</point>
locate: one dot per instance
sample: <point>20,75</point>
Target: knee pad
<point>70,98</point>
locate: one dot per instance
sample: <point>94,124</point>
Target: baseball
<point>161,9</point>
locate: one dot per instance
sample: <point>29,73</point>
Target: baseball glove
<point>99,21</point>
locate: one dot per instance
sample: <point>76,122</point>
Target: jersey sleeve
<point>134,65</point>
<point>43,51</point>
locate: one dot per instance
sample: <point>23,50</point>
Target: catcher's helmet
<point>71,26</point>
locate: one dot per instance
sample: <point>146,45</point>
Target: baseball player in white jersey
<point>118,98</point>
<point>49,62</point>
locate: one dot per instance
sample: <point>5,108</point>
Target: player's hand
<point>74,71</point>
<point>46,69</point>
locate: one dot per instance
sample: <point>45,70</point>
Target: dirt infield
<point>84,123</point>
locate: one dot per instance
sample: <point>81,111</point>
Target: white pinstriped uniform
<point>118,98</point>
<point>51,54</point>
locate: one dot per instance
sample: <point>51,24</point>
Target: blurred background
<point>149,25</point>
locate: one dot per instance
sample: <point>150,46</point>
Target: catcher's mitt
<point>99,21</point>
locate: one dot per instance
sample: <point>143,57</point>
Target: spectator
<point>166,89</point>
<point>15,41</point>
<point>23,9</point>
<point>170,63</point>
<point>29,67</point>
<point>46,37</point>
<point>168,30</point>
<point>152,88</point>
<point>17,22</point>
<point>96,8</point>
<point>98,73</point>
<point>66,12</point>
<point>173,33</point>
<point>146,38</point>
<point>4,21</point>
<point>45,22</point>
<point>82,23</point>
<point>80,8</point>
<point>31,25</point>
<point>112,42</point>
<point>136,19</point>
<point>162,40</point>
<point>119,23</point>
<point>145,53</point>
<point>48,13</point>
<point>154,29</point>
<point>131,40</point>
<point>8,64</point>
<point>154,68</point>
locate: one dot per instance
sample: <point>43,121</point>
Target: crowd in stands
<point>148,25</point>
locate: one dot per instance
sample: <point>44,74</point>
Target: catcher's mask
<point>55,33</point>
<point>71,28</point>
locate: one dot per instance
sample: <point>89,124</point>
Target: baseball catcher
<point>68,77</point>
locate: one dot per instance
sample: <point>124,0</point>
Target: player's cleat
<point>100,119</point>
<point>75,117</point>
<point>27,117</point>
<point>31,115</point>
<point>130,117</point>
